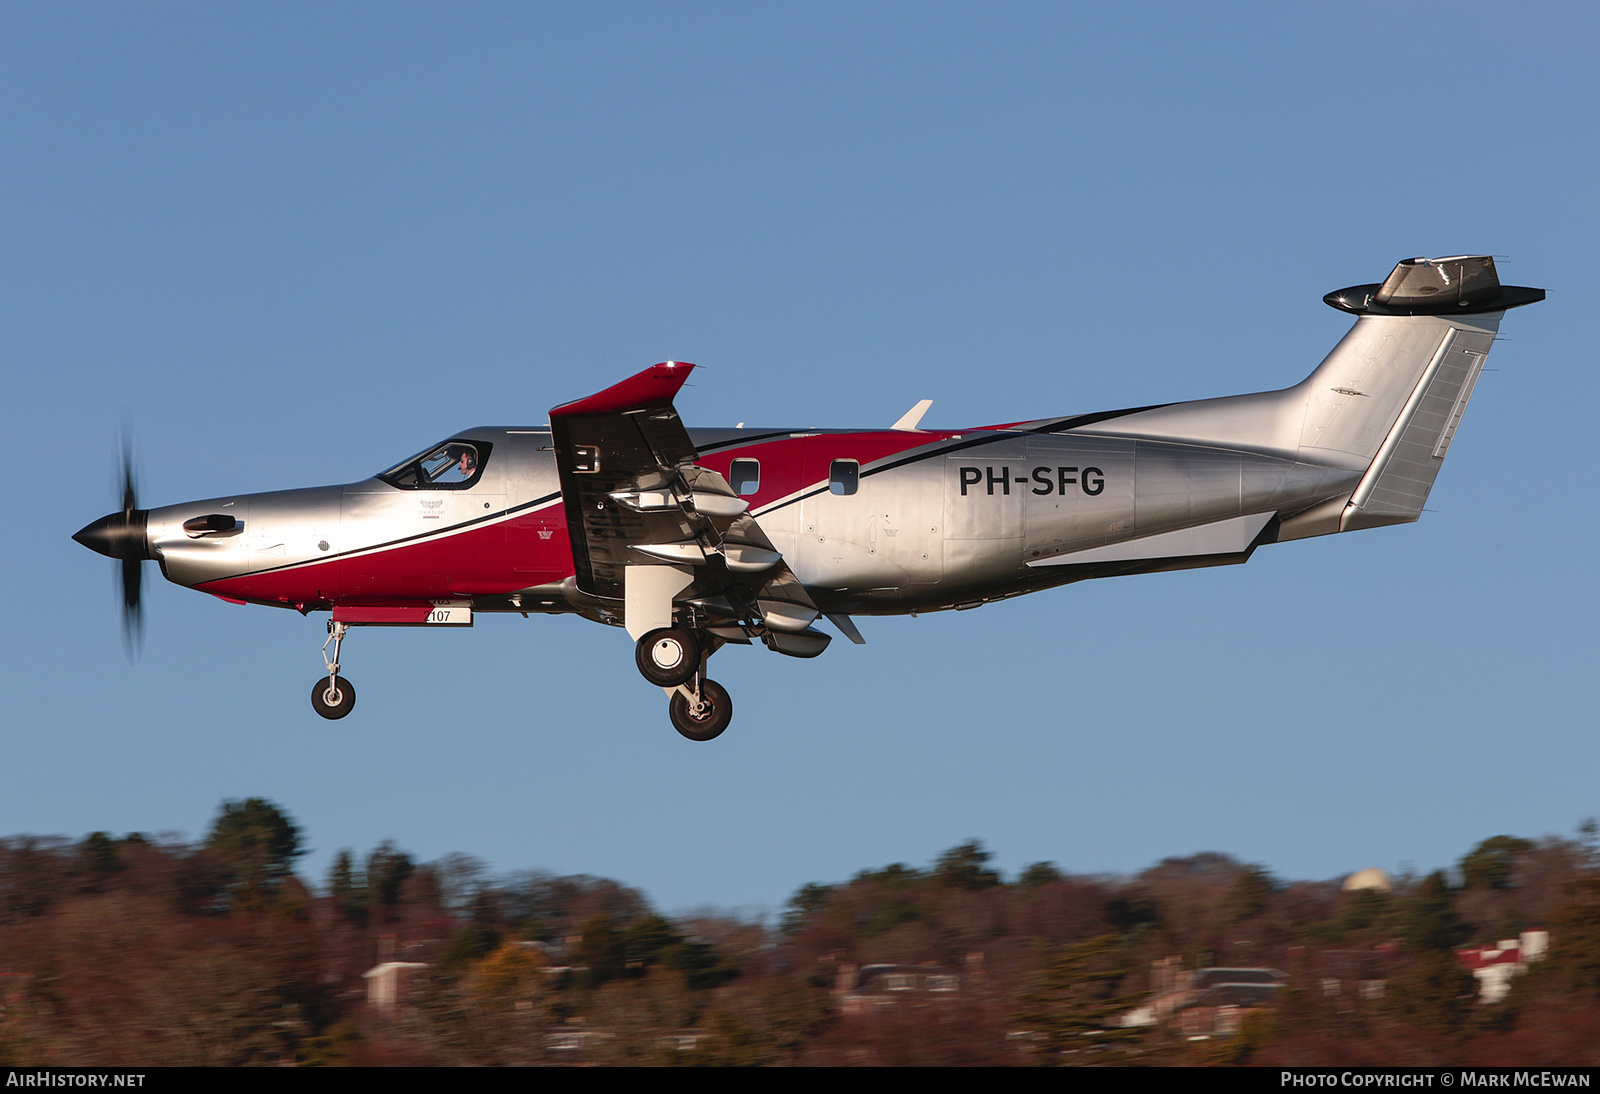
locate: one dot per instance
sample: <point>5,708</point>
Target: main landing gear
<point>334,696</point>
<point>703,713</point>
<point>675,661</point>
<point>668,657</point>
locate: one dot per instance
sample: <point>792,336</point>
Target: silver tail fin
<point>1382,408</point>
<point>1392,394</point>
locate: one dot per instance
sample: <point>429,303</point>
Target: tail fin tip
<point>1456,285</point>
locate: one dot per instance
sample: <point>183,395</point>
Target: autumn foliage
<point>129,951</point>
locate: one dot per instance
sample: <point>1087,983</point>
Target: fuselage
<point>871,522</point>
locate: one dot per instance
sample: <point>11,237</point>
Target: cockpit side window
<point>453,465</point>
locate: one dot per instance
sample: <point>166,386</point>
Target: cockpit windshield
<point>453,465</point>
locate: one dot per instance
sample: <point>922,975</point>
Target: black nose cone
<point>118,535</point>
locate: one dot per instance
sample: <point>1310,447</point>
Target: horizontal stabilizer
<point>1459,285</point>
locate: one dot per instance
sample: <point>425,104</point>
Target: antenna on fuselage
<point>908,421</point>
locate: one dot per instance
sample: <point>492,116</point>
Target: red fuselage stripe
<point>532,546</point>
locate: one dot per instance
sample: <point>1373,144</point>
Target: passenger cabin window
<point>745,476</point>
<point>843,476</point>
<point>454,465</point>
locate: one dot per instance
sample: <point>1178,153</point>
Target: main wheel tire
<point>343,701</point>
<point>668,657</point>
<point>713,717</point>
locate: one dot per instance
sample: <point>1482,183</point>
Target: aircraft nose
<point>118,535</point>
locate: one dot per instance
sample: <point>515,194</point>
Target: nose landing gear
<point>333,697</point>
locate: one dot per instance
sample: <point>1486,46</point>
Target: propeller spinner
<point>122,536</point>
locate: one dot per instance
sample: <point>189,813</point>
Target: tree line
<point>137,951</point>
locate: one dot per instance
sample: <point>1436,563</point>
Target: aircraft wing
<point>634,497</point>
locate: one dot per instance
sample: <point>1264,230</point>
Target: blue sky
<point>293,243</point>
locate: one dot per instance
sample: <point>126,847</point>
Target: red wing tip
<point>651,387</point>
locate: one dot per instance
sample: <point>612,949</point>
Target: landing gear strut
<point>333,697</point>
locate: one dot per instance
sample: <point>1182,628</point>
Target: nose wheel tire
<point>668,657</point>
<point>706,719</point>
<point>333,697</point>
